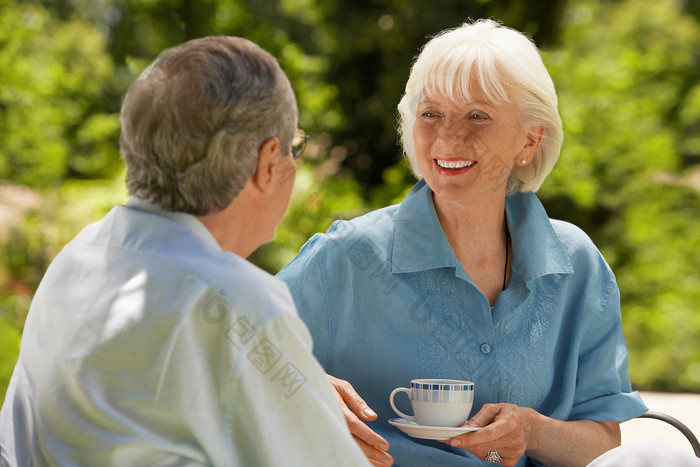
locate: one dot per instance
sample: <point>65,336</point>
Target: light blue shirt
<point>387,301</point>
<point>147,345</point>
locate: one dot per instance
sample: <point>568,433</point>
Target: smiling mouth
<point>454,164</point>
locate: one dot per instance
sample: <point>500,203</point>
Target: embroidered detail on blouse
<point>447,329</point>
<point>523,371</point>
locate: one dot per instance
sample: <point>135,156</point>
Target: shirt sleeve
<point>285,411</point>
<point>603,391</point>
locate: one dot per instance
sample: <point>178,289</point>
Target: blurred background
<point>628,79</point>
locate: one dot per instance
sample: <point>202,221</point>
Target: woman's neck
<point>472,222</point>
<point>476,231</point>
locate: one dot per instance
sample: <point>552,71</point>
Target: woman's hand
<point>354,409</point>
<point>514,431</point>
<point>505,429</point>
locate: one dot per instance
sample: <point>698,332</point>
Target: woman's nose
<point>458,140</point>
<point>454,135</point>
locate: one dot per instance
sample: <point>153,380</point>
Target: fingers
<point>486,415</point>
<point>376,457</point>
<point>353,406</point>
<point>365,433</point>
<point>352,399</point>
<point>502,431</point>
<point>510,454</point>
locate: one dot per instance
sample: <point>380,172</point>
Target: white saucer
<point>430,432</point>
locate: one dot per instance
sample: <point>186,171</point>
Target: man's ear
<point>265,174</point>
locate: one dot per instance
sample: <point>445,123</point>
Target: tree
<point>628,78</point>
<point>53,76</point>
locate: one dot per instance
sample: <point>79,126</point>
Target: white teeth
<point>455,164</point>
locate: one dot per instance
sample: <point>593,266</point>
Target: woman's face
<point>466,150</point>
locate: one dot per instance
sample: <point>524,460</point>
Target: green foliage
<point>51,75</point>
<point>9,348</point>
<point>627,73</point>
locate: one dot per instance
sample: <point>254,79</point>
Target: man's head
<point>194,122</point>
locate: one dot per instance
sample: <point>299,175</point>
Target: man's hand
<point>355,411</point>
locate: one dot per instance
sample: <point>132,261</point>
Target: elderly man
<point>151,340</point>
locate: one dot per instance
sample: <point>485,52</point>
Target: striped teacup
<point>438,402</point>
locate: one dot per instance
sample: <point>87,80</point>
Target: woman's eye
<point>478,116</point>
<point>428,114</point>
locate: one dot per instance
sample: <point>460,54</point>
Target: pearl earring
<point>523,161</point>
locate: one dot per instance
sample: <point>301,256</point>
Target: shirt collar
<point>537,248</point>
<point>188,221</point>
<point>420,243</point>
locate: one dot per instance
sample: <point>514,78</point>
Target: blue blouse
<point>387,301</point>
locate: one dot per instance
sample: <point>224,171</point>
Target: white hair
<point>508,68</point>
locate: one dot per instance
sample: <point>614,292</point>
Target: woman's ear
<point>269,157</point>
<point>534,137</point>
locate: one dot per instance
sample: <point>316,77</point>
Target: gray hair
<point>193,122</point>
<point>508,68</point>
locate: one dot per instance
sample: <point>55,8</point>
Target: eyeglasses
<point>299,143</point>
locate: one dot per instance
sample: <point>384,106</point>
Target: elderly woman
<point>469,279</point>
